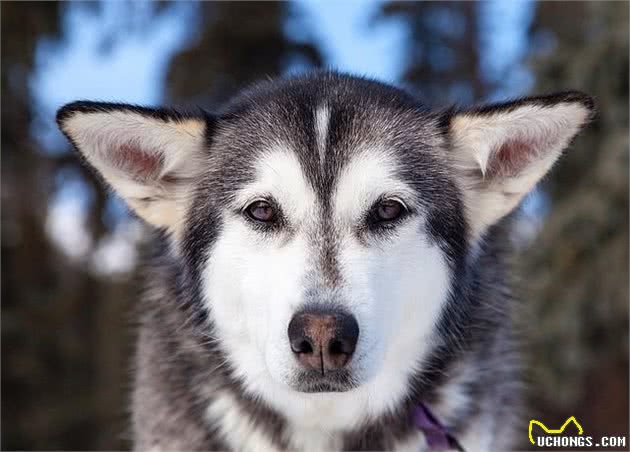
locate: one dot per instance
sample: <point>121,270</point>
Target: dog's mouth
<point>334,381</point>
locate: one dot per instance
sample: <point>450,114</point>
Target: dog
<point>328,268</point>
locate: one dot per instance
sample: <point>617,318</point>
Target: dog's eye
<point>387,211</point>
<point>261,211</point>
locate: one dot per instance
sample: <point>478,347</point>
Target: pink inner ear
<point>141,165</point>
<point>511,158</point>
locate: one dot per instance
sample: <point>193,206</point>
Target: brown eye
<point>389,210</point>
<point>261,211</point>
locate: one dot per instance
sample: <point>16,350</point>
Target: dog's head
<point>324,217</point>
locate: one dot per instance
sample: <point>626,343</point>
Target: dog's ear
<point>148,156</point>
<point>501,151</point>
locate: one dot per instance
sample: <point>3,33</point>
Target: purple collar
<point>437,435</point>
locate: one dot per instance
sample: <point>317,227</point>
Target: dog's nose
<point>323,339</point>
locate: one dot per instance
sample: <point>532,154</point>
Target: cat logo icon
<point>553,431</point>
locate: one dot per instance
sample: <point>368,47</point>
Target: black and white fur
<point>214,369</point>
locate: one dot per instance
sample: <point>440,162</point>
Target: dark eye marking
<point>386,213</point>
<point>261,211</point>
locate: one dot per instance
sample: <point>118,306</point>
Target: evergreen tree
<point>443,51</point>
<point>239,43</point>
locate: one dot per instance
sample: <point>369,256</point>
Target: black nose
<point>323,339</point>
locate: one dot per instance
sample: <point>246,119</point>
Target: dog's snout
<point>323,339</point>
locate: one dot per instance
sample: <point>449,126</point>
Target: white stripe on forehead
<point>369,175</point>
<point>279,174</point>
<point>322,117</point>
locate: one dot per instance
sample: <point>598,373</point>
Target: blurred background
<point>70,250</point>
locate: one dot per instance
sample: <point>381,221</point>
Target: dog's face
<point>324,218</point>
<point>327,243</point>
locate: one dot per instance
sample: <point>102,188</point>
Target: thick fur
<point>214,369</point>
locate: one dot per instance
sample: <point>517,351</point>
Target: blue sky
<point>351,43</point>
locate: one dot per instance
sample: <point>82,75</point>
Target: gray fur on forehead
<point>360,114</point>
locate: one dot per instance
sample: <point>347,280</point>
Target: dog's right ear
<point>501,151</point>
<point>148,156</point>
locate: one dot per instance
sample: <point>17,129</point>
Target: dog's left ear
<point>150,157</point>
<point>501,151</point>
